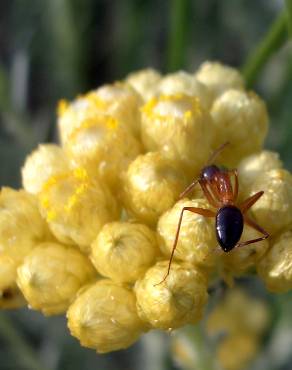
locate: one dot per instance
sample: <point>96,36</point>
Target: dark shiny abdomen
<point>229,227</point>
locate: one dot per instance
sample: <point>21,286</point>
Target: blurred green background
<point>53,49</point>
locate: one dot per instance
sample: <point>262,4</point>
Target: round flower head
<point>178,126</point>
<point>236,351</point>
<point>104,317</point>
<point>252,167</point>
<point>273,210</point>
<point>219,78</point>
<point>47,160</point>
<point>10,295</point>
<point>152,184</point>
<point>104,147</point>
<point>123,251</point>
<point>238,312</point>
<point>76,207</point>
<point>179,300</point>
<point>120,101</point>
<point>275,268</point>
<point>21,225</point>
<point>240,118</point>
<point>71,115</point>
<point>144,82</point>
<point>185,83</point>
<point>51,275</point>
<point>197,241</point>
<point>240,259</point>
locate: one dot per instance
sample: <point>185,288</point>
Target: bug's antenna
<point>217,152</point>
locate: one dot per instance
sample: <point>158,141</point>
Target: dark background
<point>53,49</point>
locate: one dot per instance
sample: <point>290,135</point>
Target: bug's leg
<point>217,152</point>
<point>200,211</point>
<point>257,227</point>
<point>250,201</point>
<point>188,189</point>
<point>210,197</point>
<point>235,174</point>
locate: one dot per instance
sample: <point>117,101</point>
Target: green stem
<point>18,344</point>
<point>289,16</point>
<point>272,42</point>
<point>177,34</point>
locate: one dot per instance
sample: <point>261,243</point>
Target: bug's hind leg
<point>249,202</point>
<point>200,211</point>
<point>257,227</point>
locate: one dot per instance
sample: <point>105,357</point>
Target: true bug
<point>221,194</point>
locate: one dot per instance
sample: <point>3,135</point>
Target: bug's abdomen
<point>229,227</point>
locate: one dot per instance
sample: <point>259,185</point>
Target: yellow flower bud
<point>47,160</point>
<point>240,118</point>
<point>71,115</point>
<point>180,127</point>
<point>275,268</point>
<point>76,207</point>
<point>252,167</point>
<point>177,301</point>
<point>238,312</point>
<point>152,184</point>
<point>144,82</point>
<point>185,83</point>
<point>197,240</point>
<point>21,225</point>
<point>273,210</point>
<point>124,251</point>
<point>121,102</point>
<point>240,259</point>
<point>219,78</point>
<point>237,350</point>
<point>51,275</point>
<point>10,295</point>
<point>104,317</point>
<point>103,147</point>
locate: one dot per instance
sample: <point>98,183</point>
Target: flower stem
<point>177,34</point>
<point>273,40</point>
<point>18,344</point>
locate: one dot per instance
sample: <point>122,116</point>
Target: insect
<point>218,189</point>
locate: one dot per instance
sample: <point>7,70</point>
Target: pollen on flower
<point>46,161</point>
<point>179,127</point>
<point>185,83</point>
<point>103,147</point>
<point>72,202</point>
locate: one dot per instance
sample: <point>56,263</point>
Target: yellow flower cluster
<point>239,321</point>
<point>92,231</point>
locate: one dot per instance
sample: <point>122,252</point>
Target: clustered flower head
<point>91,232</point>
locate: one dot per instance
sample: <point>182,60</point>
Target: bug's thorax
<point>229,226</point>
<point>224,189</point>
